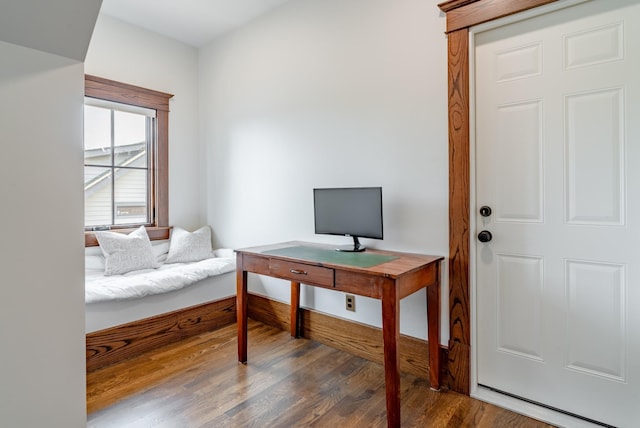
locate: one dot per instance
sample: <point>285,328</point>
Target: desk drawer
<point>300,272</point>
<point>255,264</point>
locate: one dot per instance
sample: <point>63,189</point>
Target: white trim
<point>531,410</point>
<point>112,105</point>
<point>531,13</point>
<point>484,394</point>
<point>472,213</point>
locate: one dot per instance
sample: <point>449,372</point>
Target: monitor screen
<point>349,211</point>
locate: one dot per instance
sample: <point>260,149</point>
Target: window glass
<point>130,138</point>
<point>97,194</point>
<point>117,184</point>
<point>130,196</point>
<point>97,135</point>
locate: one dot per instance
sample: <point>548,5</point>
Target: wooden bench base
<point>115,344</point>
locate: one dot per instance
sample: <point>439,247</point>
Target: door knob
<point>485,211</point>
<point>485,236</point>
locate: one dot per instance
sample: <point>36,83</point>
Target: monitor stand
<point>356,247</point>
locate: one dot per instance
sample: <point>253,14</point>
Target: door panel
<point>519,309</point>
<point>518,162</point>
<point>595,313</point>
<point>557,149</point>
<point>595,157</point>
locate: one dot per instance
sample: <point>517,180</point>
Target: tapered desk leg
<point>241,310</point>
<point>295,306</point>
<point>390,336</point>
<point>433,327</point>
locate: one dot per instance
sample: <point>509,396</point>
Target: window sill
<point>155,234</point>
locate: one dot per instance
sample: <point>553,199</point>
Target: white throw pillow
<point>94,263</point>
<point>126,253</point>
<point>190,246</point>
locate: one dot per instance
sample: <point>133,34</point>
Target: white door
<point>558,163</point>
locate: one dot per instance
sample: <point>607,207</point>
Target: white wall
<point>42,356</point>
<point>330,93</point>
<point>129,54</point>
<point>62,27</point>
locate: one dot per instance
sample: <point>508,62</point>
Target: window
<point>118,154</point>
<point>125,155</point>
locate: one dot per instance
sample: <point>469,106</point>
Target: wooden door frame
<point>461,15</point>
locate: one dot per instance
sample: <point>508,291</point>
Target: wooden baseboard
<point>114,344</point>
<point>359,339</point>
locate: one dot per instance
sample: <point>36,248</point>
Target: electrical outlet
<point>350,302</point>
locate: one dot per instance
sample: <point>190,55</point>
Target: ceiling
<point>194,22</point>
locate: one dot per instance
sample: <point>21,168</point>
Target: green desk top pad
<point>321,255</point>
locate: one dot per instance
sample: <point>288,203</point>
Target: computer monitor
<point>349,211</point>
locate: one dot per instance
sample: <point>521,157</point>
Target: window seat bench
<point>131,313</point>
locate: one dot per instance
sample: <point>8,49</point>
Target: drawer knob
<point>298,271</point>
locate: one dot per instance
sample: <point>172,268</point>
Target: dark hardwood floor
<point>287,383</point>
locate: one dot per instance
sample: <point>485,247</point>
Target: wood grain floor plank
<point>197,383</point>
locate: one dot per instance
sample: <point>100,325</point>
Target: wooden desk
<point>389,282</point>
